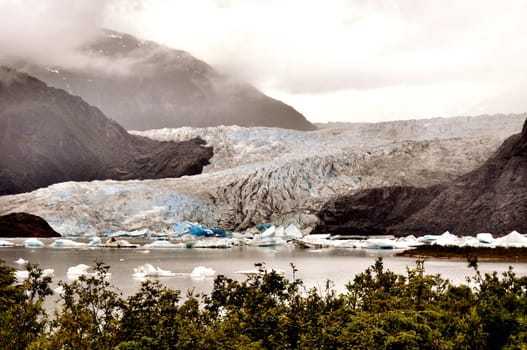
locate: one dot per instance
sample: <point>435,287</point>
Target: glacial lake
<point>315,267</point>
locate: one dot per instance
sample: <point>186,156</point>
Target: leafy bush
<point>379,310</point>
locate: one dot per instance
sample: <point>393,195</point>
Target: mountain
<point>259,175</point>
<point>49,136</point>
<point>492,198</point>
<point>144,85</point>
<point>25,225</point>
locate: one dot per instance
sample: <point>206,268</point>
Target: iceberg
<point>21,261</point>
<point>67,243</point>
<point>74,272</point>
<point>95,241</point>
<point>268,241</point>
<point>77,270</point>
<point>197,230</point>
<point>314,241</point>
<point>263,227</point>
<point>33,243</point>
<point>148,270</point>
<point>117,243</point>
<point>202,272</point>
<point>485,238</point>
<point>214,243</point>
<point>513,239</point>
<point>448,239</point>
<point>292,231</point>
<point>22,275</point>
<point>4,243</point>
<point>379,243</point>
<point>164,244</point>
<point>134,234</point>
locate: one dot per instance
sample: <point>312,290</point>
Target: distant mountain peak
<point>145,85</point>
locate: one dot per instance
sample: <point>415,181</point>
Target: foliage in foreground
<point>379,310</point>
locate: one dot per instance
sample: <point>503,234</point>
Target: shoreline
<point>513,254</point>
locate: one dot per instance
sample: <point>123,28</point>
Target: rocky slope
<point>49,136</point>
<point>280,176</point>
<point>148,86</point>
<point>492,198</point>
<point>25,225</point>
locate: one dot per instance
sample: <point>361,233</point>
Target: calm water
<point>315,266</point>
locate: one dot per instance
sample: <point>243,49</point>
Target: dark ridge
<point>25,225</point>
<point>492,198</point>
<point>373,211</point>
<point>49,136</point>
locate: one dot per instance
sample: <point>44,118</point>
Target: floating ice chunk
<point>469,241</point>
<point>4,243</point>
<point>280,231</point>
<point>67,243</point>
<point>513,239</point>
<point>148,270</point>
<point>95,241</point>
<point>293,232</point>
<point>214,243</point>
<point>448,239</point>
<point>22,275</point>
<point>485,237</point>
<point>48,273</point>
<point>348,243</point>
<point>117,243</point>
<point>78,270</point>
<point>33,243</point>
<point>408,242</point>
<point>202,271</point>
<point>135,234</point>
<point>428,238</point>
<point>263,227</point>
<point>269,232</point>
<point>314,241</point>
<point>20,261</point>
<point>164,244</point>
<point>81,270</point>
<point>196,230</point>
<point>379,243</point>
<point>267,241</point>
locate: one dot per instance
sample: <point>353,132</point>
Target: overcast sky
<point>335,60</point>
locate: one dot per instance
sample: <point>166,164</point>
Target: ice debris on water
<point>33,243</point>
<point>148,270</point>
<point>67,243</point>
<point>202,272</point>
<point>22,275</point>
<point>165,244</point>
<point>74,272</point>
<point>197,230</point>
<point>4,243</point>
<point>20,261</point>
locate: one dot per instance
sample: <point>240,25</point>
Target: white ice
<point>148,270</point>
<point>33,243</point>
<point>202,271</point>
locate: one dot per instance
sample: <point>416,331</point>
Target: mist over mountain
<point>144,85</point>
<point>49,136</point>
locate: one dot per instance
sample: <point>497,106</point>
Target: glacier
<point>263,175</point>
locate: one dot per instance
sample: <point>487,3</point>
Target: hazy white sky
<point>334,60</point>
